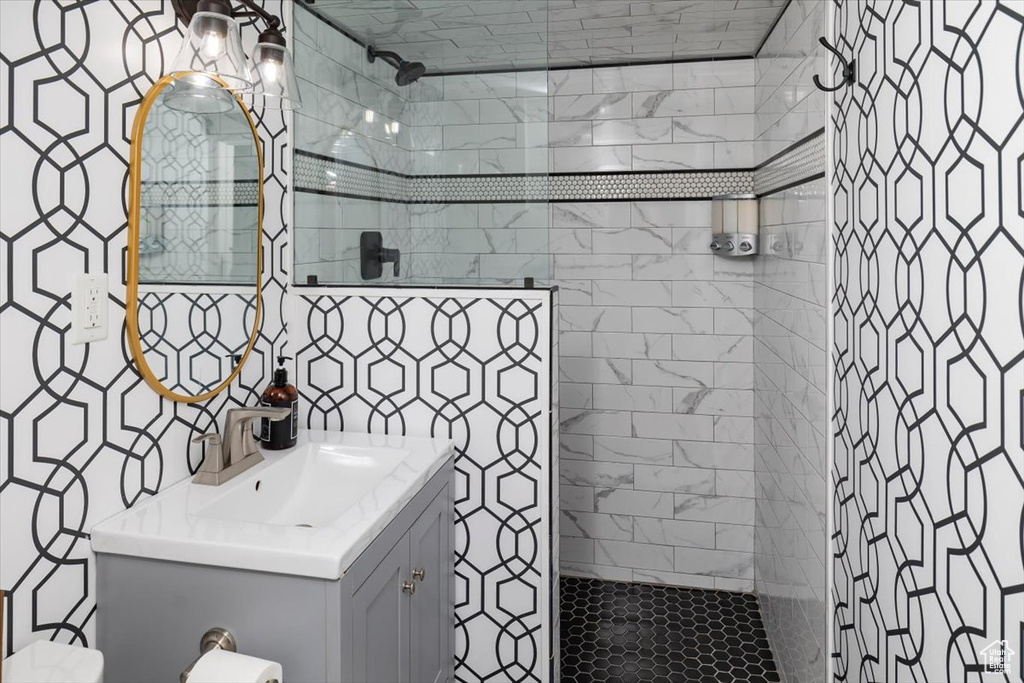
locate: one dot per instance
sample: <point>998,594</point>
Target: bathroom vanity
<point>333,558</point>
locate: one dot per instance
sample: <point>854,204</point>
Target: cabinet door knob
<point>419,574</point>
<point>408,587</point>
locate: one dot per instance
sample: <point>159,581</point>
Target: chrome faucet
<point>226,460</point>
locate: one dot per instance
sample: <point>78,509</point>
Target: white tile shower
<point>790,358</point>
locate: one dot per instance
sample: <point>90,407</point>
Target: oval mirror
<point>195,215</point>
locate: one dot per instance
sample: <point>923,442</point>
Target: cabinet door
<point>380,621</point>
<point>431,613</point>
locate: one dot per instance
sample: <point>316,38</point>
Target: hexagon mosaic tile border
<point>238,193</point>
<point>640,633</point>
<point>324,175</point>
<point>803,162</point>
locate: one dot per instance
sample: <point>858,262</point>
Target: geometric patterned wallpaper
<point>476,370</point>
<point>190,340</point>
<point>928,185</point>
<point>81,434</point>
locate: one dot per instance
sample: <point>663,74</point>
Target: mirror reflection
<point>194,238</point>
<point>199,185</point>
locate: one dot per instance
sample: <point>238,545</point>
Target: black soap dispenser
<point>280,394</point>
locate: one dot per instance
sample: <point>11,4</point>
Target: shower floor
<point>629,632</point>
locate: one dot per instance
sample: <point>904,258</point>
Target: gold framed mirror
<point>195,224</point>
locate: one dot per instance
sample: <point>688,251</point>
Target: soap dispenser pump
<point>280,394</point>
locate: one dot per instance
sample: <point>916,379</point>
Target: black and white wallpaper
<point>191,341</point>
<point>928,498</point>
<point>473,366</point>
<point>81,435</point>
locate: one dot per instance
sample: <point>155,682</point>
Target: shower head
<point>408,72</point>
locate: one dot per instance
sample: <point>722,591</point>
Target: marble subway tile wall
<point>656,396</point>
<point>349,106</point>
<point>488,124</point>
<point>647,117</point>
<point>481,123</point>
<point>791,428</point>
<point>353,111</point>
<point>652,117</point>
<point>469,244</point>
<point>327,236</point>
<point>656,347</point>
<point>788,105</point>
<point>790,358</point>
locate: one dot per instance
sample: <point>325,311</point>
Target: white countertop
<point>348,486</point>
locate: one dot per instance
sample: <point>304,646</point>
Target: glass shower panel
<point>452,169</point>
<point>349,156</point>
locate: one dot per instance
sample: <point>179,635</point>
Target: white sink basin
<point>306,511</point>
<point>314,486</point>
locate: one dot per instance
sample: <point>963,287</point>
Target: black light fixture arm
<point>273,22</point>
<point>849,72</point>
<point>186,8</point>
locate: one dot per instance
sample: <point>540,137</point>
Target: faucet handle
<point>213,463</point>
<point>258,412</point>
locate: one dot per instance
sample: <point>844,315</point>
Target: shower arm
<point>391,58</point>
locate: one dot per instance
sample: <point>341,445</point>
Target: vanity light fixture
<point>273,71</point>
<point>212,44</point>
<point>199,94</point>
<point>213,47</point>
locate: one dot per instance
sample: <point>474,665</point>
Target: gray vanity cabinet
<point>370,626</point>
<point>431,623</point>
<point>401,615</point>
<point>380,621</point>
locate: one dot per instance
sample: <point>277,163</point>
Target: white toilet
<point>47,662</point>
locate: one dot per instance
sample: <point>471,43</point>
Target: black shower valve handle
<point>373,255</point>
<point>393,256</point>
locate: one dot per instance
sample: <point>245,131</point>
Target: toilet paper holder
<point>216,637</point>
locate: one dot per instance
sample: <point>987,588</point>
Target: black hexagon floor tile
<point>638,633</point>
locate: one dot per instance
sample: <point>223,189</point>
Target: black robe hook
<point>849,69</point>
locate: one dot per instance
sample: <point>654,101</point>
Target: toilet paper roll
<point>221,666</point>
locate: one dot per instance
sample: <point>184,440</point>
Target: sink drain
<point>308,526</point>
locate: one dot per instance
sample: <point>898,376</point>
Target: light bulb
<point>212,46</point>
<point>270,70</point>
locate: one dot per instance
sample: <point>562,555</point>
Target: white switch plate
<point>88,308</point>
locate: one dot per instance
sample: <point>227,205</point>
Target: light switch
<point>88,308</point>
